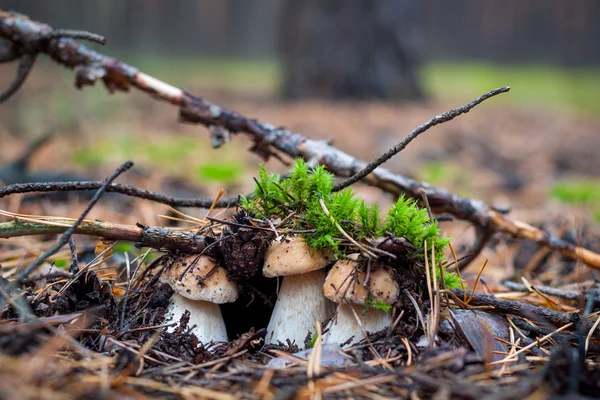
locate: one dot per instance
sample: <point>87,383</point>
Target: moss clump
<point>378,305</point>
<point>406,218</point>
<point>304,193</point>
<point>301,195</point>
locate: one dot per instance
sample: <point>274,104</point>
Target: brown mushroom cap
<point>196,285</point>
<point>292,256</point>
<point>340,283</point>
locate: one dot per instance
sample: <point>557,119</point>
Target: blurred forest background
<point>513,31</point>
<point>463,43</point>
<point>363,73</point>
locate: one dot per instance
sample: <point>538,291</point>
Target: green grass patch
<point>180,156</point>
<point>219,172</point>
<point>440,174</point>
<point>124,247</point>
<point>583,192</point>
<point>537,86</point>
<point>61,263</point>
<point>223,72</point>
<point>577,192</point>
<point>532,85</point>
<point>165,153</point>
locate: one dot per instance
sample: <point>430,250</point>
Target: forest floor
<point>539,157</point>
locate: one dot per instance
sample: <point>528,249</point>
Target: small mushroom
<point>344,285</point>
<point>300,302</point>
<point>202,288</point>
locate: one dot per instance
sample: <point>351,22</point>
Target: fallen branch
<point>565,294</point>
<point>538,314</point>
<point>143,236</point>
<point>30,37</point>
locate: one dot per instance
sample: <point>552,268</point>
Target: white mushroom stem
<point>206,320</point>
<point>345,325</point>
<point>199,286</point>
<point>346,286</point>
<point>299,306</point>
<point>300,303</point>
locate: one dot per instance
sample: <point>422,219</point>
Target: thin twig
<point>482,236</point>
<point>565,294</point>
<point>118,76</point>
<point>75,34</point>
<point>426,203</point>
<point>25,66</point>
<point>69,232</point>
<point>124,308</point>
<point>120,188</point>
<point>74,268</point>
<point>519,308</point>
<point>513,357</point>
<point>438,119</point>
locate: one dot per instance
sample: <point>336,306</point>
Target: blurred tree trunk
<point>358,49</point>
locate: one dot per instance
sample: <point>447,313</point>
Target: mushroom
<point>300,301</point>
<point>345,285</point>
<point>203,286</point>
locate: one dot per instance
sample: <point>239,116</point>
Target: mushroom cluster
<point>302,231</point>
<point>307,294</point>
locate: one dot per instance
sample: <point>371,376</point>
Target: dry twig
<point>29,37</point>
<point>71,229</point>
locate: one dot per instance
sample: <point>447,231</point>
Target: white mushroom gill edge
<point>300,302</point>
<point>339,283</point>
<point>200,294</point>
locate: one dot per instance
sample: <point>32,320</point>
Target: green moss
<point>377,305</point>
<point>369,219</point>
<point>452,280</point>
<point>302,193</point>
<point>406,219</point>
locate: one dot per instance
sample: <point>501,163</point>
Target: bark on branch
<point>30,37</point>
<point>157,238</point>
